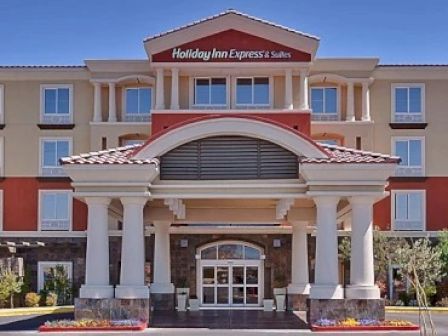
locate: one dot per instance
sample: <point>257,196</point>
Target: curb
<point>36,311</point>
<point>398,309</point>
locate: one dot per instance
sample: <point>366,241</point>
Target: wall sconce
<point>276,243</point>
<point>183,243</point>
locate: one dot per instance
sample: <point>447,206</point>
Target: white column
<point>326,279</point>
<point>112,103</point>
<point>162,262</point>
<point>97,102</point>
<point>288,90</point>
<point>365,102</point>
<point>174,89</point>
<point>303,96</point>
<point>160,95</point>
<point>350,102</point>
<point>299,260</point>
<point>132,275</point>
<point>362,277</point>
<point>97,254</point>
<point>2,104</point>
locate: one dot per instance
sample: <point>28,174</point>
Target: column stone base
<point>96,292</point>
<point>344,308</point>
<point>163,301</point>
<point>318,291</point>
<point>112,309</point>
<point>132,292</point>
<point>362,292</point>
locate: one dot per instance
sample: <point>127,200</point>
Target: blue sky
<point>69,31</point>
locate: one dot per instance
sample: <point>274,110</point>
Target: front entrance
<point>230,275</point>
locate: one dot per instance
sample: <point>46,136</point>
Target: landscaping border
<point>364,328</point>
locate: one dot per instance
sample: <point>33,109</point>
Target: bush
<point>51,299</point>
<point>442,302</point>
<point>32,299</point>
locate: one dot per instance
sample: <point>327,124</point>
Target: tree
<point>58,282</point>
<point>443,246</point>
<point>10,284</point>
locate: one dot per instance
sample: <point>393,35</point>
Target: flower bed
<point>92,325</point>
<point>351,324</point>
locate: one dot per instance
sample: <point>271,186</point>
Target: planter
<point>181,302</point>
<point>139,327</point>
<point>268,305</point>
<point>364,328</point>
<point>280,300</point>
<point>193,304</point>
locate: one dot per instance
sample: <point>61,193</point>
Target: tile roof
<point>123,155</point>
<point>338,154</point>
<point>119,155</point>
<point>42,66</point>
<point>230,11</point>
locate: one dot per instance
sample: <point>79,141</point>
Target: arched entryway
<point>230,274</point>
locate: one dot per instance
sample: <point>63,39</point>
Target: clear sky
<point>69,31</point>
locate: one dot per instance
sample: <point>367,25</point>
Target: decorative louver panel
<point>228,158</point>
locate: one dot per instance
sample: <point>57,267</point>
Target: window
<point>55,210</point>
<point>408,101</point>
<point>411,152</point>
<point>51,151</point>
<point>324,103</point>
<point>253,92</point>
<point>397,283</point>
<point>44,271</point>
<point>56,104</point>
<point>210,92</point>
<point>138,104</point>
<point>128,142</point>
<point>408,210</point>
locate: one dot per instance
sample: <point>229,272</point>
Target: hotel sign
<point>229,54</point>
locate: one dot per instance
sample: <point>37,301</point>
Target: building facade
<point>228,162</point>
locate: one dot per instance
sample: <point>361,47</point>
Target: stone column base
<point>163,301</point>
<point>112,309</point>
<point>297,301</point>
<point>340,309</point>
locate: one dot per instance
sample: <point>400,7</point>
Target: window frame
<point>321,115</point>
<point>269,105</point>
<point>141,116</point>
<point>210,105</point>
<point>408,86</point>
<point>70,208</point>
<point>394,139</point>
<point>43,114</point>
<point>41,153</point>
<point>423,209</point>
<point>40,277</point>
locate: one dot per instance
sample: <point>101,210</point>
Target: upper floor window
<point>408,103</point>
<point>55,210</point>
<point>408,210</point>
<point>138,104</point>
<point>56,104</point>
<point>411,152</point>
<point>324,103</point>
<point>253,92</point>
<point>210,92</point>
<point>51,151</point>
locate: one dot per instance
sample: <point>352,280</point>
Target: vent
<point>229,158</point>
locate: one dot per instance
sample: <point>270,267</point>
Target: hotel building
<point>228,162</point>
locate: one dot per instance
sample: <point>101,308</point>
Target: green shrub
<point>32,299</point>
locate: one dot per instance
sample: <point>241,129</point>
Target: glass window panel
<point>244,91</point>
<point>415,100</point>
<point>222,275</point>
<point>230,251</point>
<point>330,100</point>
<point>222,295</point>
<point>144,100</point>
<point>251,253</point>
<point>415,153</point>
<point>401,100</point>
<point>317,100</point>
<point>49,154</point>
<point>252,295</point>
<point>208,295</point>
<point>63,100</point>
<point>401,206</point>
<point>50,101</point>
<point>208,275</point>
<point>252,275</point>
<point>62,150</point>
<point>238,295</point>
<point>238,275</point>
<point>261,91</point>
<point>209,253</point>
<point>48,206</point>
<point>218,91</point>
<point>415,206</point>
<point>62,206</point>
<point>202,91</point>
<point>131,101</point>
<point>401,150</point>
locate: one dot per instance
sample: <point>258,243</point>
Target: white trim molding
<point>410,170</point>
<point>55,170</point>
<point>68,266</point>
<point>423,209</point>
<point>70,207</point>
<point>56,118</point>
<point>408,117</point>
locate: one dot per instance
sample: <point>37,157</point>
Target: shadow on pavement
<point>31,322</point>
